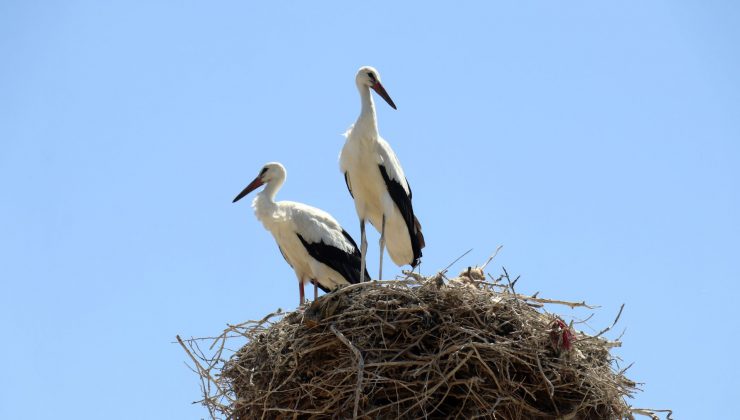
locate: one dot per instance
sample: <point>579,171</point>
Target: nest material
<point>415,348</point>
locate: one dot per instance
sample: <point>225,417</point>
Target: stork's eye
<point>371,76</point>
<point>263,171</point>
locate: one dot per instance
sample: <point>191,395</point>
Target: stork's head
<point>368,76</point>
<point>271,172</point>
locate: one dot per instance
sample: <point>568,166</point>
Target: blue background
<point>596,141</point>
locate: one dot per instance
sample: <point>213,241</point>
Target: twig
<point>572,305</point>
<point>444,270</point>
<point>360,367</point>
<point>649,412</point>
<point>550,387</point>
<point>511,286</point>
<point>201,371</point>
<point>483,267</point>
<point>619,314</point>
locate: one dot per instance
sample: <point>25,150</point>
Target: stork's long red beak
<point>251,187</point>
<point>377,87</point>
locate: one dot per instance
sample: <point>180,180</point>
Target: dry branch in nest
<point>414,348</point>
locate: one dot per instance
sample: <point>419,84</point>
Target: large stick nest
<point>415,348</point>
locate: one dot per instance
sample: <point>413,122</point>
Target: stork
<point>311,240</point>
<point>376,181</point>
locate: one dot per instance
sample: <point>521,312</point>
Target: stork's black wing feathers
<point>344,263</point>
<point>403,202</point>
<point>352,241</point>
<point>346,181</point>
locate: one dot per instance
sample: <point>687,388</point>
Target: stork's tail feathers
<point>419,235</point>
<point>417,242</point>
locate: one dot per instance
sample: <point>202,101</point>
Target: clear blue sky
<point>597,141</point>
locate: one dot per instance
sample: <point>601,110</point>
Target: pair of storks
<point>311,240</point>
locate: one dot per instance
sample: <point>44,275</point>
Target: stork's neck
<point>367,119</point>
<point>272,188</point>
<point>264,204</point>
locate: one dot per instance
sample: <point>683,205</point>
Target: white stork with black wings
<point>376,181</point>
<point>311,240</point>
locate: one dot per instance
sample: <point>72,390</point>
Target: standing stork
<point>376,181</point>
<point>311,240</point>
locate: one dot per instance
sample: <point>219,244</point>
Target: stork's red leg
<point>315,290</point>
<point>300,289</point>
